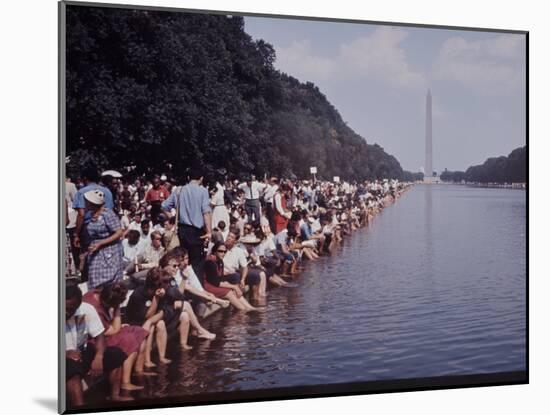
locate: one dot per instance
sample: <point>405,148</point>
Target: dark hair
<point>72,292</point>
<point>179,251</point>
<point>91,174</point>
<point>217,246</point>
<point>132,232</point>
<point>224,224</point>
<point>145,222</point>
<point>196,172</point>
<point>153,278</point>
<point>166,258</point>
<point>113,294</point>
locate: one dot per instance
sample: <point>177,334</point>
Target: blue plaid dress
<point>105,264</point>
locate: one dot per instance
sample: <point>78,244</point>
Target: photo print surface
<point>273,207</point>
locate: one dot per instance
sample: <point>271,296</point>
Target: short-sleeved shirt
<point>83,324</point>
<point>194,202</point>
<point>235,259</point>
<point>265,247</point>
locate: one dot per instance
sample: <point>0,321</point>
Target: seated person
<point>309,238</point>
<point>144,310</point>
<point>129,339</point>
<point>264,257</point>
<point>236,271</point>
<point>215,283</point>
<point>147,259</point>
<point>189,283</point>
<point>86,351</point>
<point>131,247</point>
<point>289,261</point>
<point>170,238</point>
<point>178,312</point>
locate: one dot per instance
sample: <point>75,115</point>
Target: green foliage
<point>159,91</point>
<point>511,169</point>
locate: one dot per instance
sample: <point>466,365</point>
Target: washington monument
<point>428,170</point>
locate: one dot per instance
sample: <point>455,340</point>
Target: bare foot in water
<point>164,360</point>
<point>185,347</point>
<point>207,335</point>
<point>130,387</point>
<point>149,365</point>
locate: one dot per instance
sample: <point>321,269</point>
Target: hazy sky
<point>378,76</point>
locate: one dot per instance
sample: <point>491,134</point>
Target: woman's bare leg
<point>127,373</point>
<point>235,302</point>
<point>202,332</point>
<point>115,377</point>
<point>149,344</point>
<point>184,331</point>
<point>162,340</point>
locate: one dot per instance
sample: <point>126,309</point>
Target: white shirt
<point>265,247</point>
<point>130,251</point>
<point>192,280</point>
<point>315,226</point>
<point>253,192</point>
<point>278,203</point>
<point>124,222</point>
<point>135,226</point>
<point>85,322</point>
<point>270,191</point>
<point>218,198</point>
<point>235,259</point>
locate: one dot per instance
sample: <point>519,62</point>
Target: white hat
<point>112,173</point>
<point>95,196</point>
<point>163,177</point>
<point>249,239</point>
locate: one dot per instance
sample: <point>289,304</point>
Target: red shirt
<point>157,195</point>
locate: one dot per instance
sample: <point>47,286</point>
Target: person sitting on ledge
<point>144,310</point>
<point>215,283</point>
<point>129,339</point>
<point>177,309</point>
<point>86,351</point>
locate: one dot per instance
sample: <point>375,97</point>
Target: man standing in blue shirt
<point>195,216</point>
<point>91,178</point>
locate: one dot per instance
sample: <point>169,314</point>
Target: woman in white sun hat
<point>105,253</point>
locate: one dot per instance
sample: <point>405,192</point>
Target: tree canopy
<point>511,169</point>
<point>154,90</point>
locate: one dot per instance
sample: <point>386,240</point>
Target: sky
<point>377,77</point>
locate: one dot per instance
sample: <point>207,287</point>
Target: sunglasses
<point>222,250</point>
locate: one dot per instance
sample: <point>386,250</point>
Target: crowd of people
<point>147,259</point>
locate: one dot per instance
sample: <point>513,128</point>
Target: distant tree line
<point>511,169</point>
<point>150,90</point>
